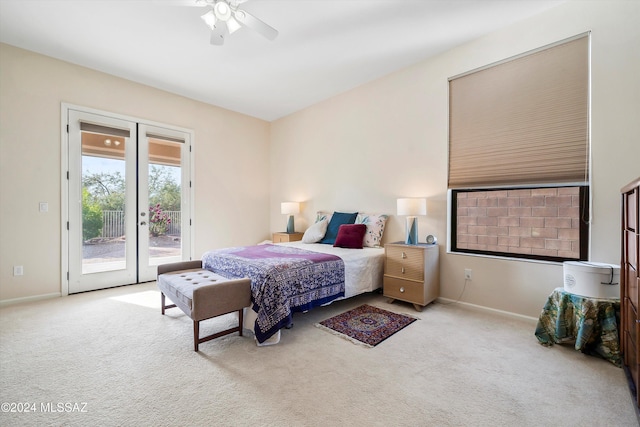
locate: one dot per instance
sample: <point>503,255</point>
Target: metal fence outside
<point>113,223</point>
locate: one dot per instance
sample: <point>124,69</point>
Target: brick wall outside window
<point>541,221</point>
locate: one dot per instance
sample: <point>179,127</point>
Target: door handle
<point>143,223</point>
<point>143,213</point>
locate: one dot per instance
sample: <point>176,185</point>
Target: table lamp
<point>290,208</point>
<point>411,208</point>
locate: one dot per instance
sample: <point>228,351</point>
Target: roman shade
<point>522,121</point>
<point>165,138</point>
<point>104,130</point>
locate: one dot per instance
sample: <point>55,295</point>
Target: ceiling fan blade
<point>218,33</point>
<point>250,21</point>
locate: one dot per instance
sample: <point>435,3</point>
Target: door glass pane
<point>165,198</point>
<point>103,202</point>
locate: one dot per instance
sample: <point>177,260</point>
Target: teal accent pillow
<point>337,219</point>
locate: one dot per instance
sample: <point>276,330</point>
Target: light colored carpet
<point>114,351</point>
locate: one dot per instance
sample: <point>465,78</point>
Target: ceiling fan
<point>226,17</point>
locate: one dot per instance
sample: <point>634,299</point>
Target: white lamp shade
<point>222,11</point>
<point>289,208</point>
<point>210,19</point>
<point>412,207</point>
<point>233,25</point>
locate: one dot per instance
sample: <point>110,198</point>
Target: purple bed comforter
<point>283,280</point>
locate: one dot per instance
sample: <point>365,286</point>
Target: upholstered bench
<point>201,295</point>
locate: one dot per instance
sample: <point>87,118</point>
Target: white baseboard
<point>13,301</point>
<point>490,310</point>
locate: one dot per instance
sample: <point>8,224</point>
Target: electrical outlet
<point>467,274</point>
<point>18,270</point>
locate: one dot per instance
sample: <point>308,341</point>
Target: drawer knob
<point>402,290</point>
<point>404,255</point>
<point>402,270</point>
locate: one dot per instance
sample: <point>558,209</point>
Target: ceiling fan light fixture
<point>222,11</point>
<point>209,18</point>
<point>225,17</point>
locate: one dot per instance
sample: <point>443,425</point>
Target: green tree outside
<point>163,189</point>
<point>91,216</point>
<point>106,191</point>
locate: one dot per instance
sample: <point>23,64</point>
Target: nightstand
<point>411,273</point>
<point>286,237</point>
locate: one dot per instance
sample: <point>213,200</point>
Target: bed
<point>298,276</point>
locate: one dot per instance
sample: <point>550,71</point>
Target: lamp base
<point>411,237</point>
<point>290,226</point>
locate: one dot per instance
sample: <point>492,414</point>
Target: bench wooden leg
<point>162,303</point>
<point>196,334</point>
<point>196,331</point>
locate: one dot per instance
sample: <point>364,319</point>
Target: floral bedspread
<point>592,323</point>
<point>283,280</point>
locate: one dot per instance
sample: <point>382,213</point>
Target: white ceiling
<point>325,47</point>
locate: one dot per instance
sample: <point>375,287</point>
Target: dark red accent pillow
<point>350,236</point>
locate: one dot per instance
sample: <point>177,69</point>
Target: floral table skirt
<point>591,323</point>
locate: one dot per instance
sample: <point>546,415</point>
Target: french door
<point>128,200</point>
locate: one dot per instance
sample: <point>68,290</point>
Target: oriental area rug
<point>366,325</point>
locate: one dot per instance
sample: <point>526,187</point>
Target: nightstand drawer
<point>403,290</point>
<point>286,237</point>
<point>405,263</point>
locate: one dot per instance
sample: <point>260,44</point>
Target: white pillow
<point>375,228</point>
<point>316,232</point>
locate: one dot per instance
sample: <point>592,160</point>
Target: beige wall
<point>388,139</point>
<point>231,176</point>
<point>357,151</point>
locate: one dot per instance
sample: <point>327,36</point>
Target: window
<point>519,155</point>
<point>535,223</point>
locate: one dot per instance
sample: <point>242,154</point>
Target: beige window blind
<point>523,120</point>
<point>103,130</point>
<point>165,138</point>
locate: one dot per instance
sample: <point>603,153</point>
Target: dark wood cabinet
<point>630,283</point>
